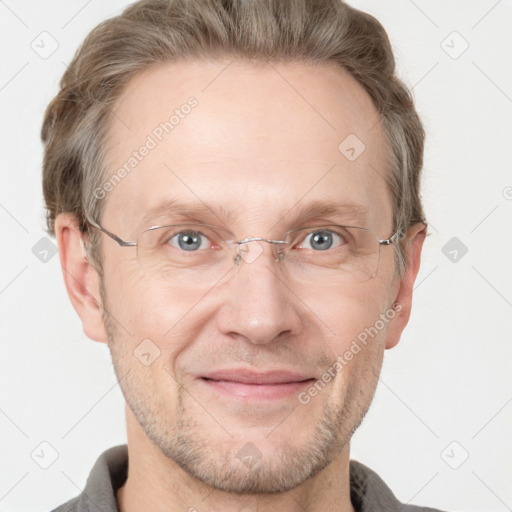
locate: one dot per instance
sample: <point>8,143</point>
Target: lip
<point>256,386</point>
<point>250,377</point>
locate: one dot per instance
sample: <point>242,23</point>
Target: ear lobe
<point>81,279</point>
<point>415,238</point>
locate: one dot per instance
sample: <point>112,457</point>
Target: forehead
<point>258,138</point>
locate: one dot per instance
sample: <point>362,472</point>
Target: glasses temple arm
<point>396,236</point>
<point>120,241</point>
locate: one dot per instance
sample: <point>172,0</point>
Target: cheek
<point>354,335</point>
<point>346,311</point>
<point>143,305</point>
<point>156,319</point>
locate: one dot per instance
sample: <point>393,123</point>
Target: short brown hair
<point>157,31</point>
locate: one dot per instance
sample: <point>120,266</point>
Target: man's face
<point>262,142</point>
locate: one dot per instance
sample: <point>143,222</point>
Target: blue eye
<point>322,240</point>
<point>189,241</point>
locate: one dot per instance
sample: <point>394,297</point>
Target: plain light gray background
<point>438,431</point>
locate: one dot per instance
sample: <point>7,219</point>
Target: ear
<point>412,252</point>
<point>81,279</point>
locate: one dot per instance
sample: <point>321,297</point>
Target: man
<point>234,188</point>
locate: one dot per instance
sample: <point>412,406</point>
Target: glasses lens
<point>333,254</point>
<point>200,255</point>
<point>194,254</point>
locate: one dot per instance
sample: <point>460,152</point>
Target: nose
<point>259,304</point>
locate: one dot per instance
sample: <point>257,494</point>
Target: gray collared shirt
<point>368,492</point>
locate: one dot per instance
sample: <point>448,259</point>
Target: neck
<point>157,483</point>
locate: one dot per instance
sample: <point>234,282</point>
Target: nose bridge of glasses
<point>248,255</point>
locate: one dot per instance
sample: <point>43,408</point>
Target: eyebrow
<point>201,212</point>
<point>318,209</point>
<point>197,211</point>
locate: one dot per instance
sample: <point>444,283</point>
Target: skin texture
<point>263,148</point>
